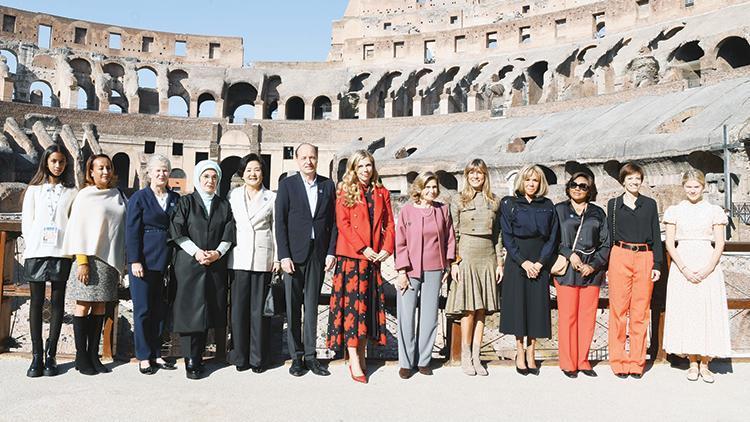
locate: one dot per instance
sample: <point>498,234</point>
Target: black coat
<point>295,223</point>
<point>201,297</point>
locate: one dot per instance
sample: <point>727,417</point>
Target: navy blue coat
<point>294,222</point>
<point>146,230</point>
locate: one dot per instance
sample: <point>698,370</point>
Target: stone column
<point>309,111</point>
<point>219,110</point>
<point>193,107</point>
<point>134,104</point>
<point>260,109</point>
<point>362,107</point>
<point>335,110</point>
<point>416,106</point>
<point>471,101</point>
<point>443,109</point>
<point>388,112</point>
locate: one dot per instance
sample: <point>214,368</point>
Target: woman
<point>96,237</point>
<point>148,215</point>
<point>530,234</point>
<point>479,264</point>
<point>584,242</point>
<point>203,230</point>
<point>252,261</point>
<point>695,321</point>
<point>364,220</point>
<point>634,263</point>
<point>46,206</point>
<point>425,249</point>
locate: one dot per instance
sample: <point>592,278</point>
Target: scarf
<point>97,226</point>
<point>201,168</point>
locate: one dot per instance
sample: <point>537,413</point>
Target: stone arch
<point>270,96</point>
<point>687,52</point>
<point>734,51</point>
<point>295,108</point>
<point>341,168</point>
<point>322,108</point>
<point>237,95</point>
<point>121,164</point>
<point>11,59</point>
<point>206,105</point>
<point>573,167</point>
<point>349,106</point>
<point>148,96</point>
<point>177,79</point>
<point>119,100</point>
<point>411,177</point>
<point>83,99</point>
<point>612,168</point>
<point>116,109</point>
<point>41,93</point>
<point>228,172</point>
<point>235,137</point>
<point>549,174</point>
<point>177,179</point>
<point>447,180</point>
<point>147,77</point>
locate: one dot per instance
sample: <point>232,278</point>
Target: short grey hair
<point>158,159</point>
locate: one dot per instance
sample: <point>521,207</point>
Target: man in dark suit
<point>306,240</point>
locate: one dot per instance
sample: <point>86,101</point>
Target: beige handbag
<point>560,267</point>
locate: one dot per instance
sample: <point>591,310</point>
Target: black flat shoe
<point>242,368</point>
<point>571,374</point>
<point>193,369</point>
<point>169,366</point>
<point>316,368</point>
<point>298,368</point>
<point>637,376</point>
<point>589,373</point>
<point>621,376</point>
<point>258,369</point>
<point>149,370</point>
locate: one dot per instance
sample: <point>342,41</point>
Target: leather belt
<point>633,246</point>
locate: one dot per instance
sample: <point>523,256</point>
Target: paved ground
<point>662,395</point>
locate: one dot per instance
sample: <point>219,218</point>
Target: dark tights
<point>55,322</point>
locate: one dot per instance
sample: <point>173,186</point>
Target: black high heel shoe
<point>521,371</point>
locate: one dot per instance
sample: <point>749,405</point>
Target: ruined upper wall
<point>77,35</point>
<point>426,31</point>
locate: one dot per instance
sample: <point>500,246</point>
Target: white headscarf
<point>201,168</point>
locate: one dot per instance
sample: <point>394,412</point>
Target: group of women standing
<point>87,239</point>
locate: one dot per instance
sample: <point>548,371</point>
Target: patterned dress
<point>696,318</point>
<point>357,309</point>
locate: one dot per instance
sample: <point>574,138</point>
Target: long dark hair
<point>43,174</point>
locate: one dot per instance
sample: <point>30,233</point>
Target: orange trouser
<point>630,289</point>
<point>576,320</point>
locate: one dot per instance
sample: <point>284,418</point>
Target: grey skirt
<point>102,286</point>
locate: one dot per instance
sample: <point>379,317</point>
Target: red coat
<point>353,224</point>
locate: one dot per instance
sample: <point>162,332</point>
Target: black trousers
<point>303,288</point>
<point>249,326</point>
<point>192,345</point>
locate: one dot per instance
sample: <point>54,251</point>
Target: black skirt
<point>40,270</point>
<point>524,309</point>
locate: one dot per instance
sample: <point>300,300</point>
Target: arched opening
<point>117,75</point>
<point>11,60</point>
<point>238,95</point>
<point>735,51</point>
<point>41,94</point>
<point>283,176</point>
<point>447,180</point>
<point>119,100</point>
<point>243,113</point>
<point>228,171</point>
<point>121,164</point>
<point>83,99</point>
<point>116,109</point>
<point>295,109</point>
<point>612,168</point>
<point>341,169</point>
<point>549,175</point>
<point>178,106</point>
<point>411,177</point>
<point>272,110</point>
<point>536,81</point>
<point>148,96</point>
<point>322,108</point>
<point>688,52</point>
<point>573,167</point>
<point>206,105</point>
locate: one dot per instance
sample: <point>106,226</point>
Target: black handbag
<point>275,302</point>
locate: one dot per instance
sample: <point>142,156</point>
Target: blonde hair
<point>349,186</point>
<point>468,192</point>
<point>525,173</point>
<point>415,191</point>
<point>694,174</point>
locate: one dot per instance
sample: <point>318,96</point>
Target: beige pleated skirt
<point>476,288</point>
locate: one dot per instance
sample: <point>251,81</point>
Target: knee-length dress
<point>477,226</point>
<point>530,233</point>
<point>696,317</point>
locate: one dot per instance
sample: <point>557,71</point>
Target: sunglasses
<point>583,187</point>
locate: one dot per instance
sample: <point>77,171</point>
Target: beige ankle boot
<point>466,365</point>
<point>480,370</point>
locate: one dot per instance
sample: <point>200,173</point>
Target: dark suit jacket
<point>146,229</point>
<point>294,222</point>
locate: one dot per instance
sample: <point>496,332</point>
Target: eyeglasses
<point>583,187</point>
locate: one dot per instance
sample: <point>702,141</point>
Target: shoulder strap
<point>578,233</point>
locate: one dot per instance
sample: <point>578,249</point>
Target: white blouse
<point>44,218</point>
